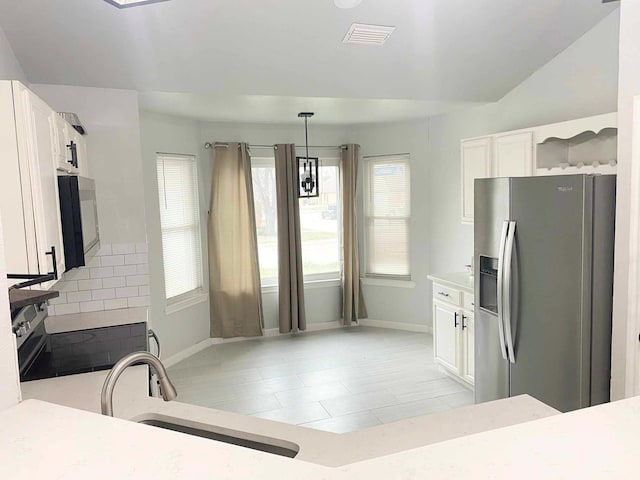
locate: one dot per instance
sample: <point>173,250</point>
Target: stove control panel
<point>27,319</point>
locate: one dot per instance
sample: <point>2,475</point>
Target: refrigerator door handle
<point>503,242</point>
<point>508,257</point>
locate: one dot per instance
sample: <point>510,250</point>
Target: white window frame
<point>266,162</point>
<point>197,295</point>
<point>331,277</point>
<point>385,278</point>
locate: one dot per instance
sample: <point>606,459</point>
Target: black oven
<point>31,336</point>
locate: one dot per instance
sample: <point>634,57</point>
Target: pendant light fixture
<point>308,185</point>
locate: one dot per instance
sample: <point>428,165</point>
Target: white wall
<point>397,304</point>
<point>625,326</point>
<point>10,68</point>
<point>111,118</point>
<point>162,133</point>
<point>9,381</point>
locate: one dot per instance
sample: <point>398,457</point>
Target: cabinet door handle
<point>455,320</point>
<point>463,319</point>
<point>74,153</point>
<point>443,294</point>
<point>52,252</point>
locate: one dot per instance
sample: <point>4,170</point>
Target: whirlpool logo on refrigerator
<point>564,189</point>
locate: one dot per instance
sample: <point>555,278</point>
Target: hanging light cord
<point>306,136</point>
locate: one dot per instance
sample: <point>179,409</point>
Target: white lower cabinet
<point>445,335</point>
<point>466,324</point>
<point>453,333</point>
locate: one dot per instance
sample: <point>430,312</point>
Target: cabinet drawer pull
<point>455,320</point>
<point>463,319</point>
<point>443,294</point>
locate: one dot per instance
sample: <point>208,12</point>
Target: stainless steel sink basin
<point>285,449</point>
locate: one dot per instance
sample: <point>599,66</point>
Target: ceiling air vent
<point>362,34</point>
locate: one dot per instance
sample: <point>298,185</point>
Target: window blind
<point>387,215</point>
<point>180,224</point>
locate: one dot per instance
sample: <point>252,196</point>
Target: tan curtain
<point>290,274</point>
<point>234,277</point>
<point>353,306</point>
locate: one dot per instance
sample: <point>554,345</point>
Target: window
<point>319,223</point>
<point>387,216</point>
<point>320,226</point>
<point>263,172</point>
<point>180,225</point>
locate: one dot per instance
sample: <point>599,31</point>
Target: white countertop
<point>325,448</point>
<point>461,280</point>
<point>83,391</point>
<point>42,440</point>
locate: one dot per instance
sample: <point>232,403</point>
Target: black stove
<point>42,355</point>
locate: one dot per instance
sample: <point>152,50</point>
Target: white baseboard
<point>311,327</point>
<point>187,352</point>
<point>409,327</point>
<point>269,332</point>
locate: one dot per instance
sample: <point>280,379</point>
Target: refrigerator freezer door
<point>551,317</point>
<point>491,203</point>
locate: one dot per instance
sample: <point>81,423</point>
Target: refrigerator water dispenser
<point>489,284</point>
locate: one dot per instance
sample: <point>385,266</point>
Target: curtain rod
<point>387,155</point>
<point>209,145</point>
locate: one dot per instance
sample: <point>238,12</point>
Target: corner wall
<point>111,118</point>
<point>626,355</point>
<point>10,68</point>
<point>400,304</point>
<point>9,378</point>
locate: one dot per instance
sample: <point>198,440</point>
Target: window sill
<point>186,302</point>
<point>308,285</point>
<point>387,282</point>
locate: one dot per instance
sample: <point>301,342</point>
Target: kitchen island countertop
<point>72,444</point>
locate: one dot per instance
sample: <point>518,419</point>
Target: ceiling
<point>217,55</point>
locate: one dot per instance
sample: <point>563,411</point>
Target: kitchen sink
<point>291,450</point>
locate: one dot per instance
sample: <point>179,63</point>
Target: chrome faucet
<point>106,397</point>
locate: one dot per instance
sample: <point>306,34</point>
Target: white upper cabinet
<point>29,203</point>
<point>513,155</point>
<point>585,145</point>
<point>476,163</point>
<point>78,144</point>
<point>44,185</point>
<point>60,142</point>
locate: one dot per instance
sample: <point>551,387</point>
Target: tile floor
<point>336,380</point>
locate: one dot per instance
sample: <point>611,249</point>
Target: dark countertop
<point>21,298</point>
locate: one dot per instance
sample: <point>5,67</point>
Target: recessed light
<point>363,34</point>
<point>131,3</point>
<point>347,3</point>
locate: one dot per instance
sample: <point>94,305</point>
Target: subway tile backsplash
<point>117,277</point>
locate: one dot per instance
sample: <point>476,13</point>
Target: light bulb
<point>347,3</point>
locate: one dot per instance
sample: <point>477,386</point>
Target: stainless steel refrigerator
<point>543,260</point>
